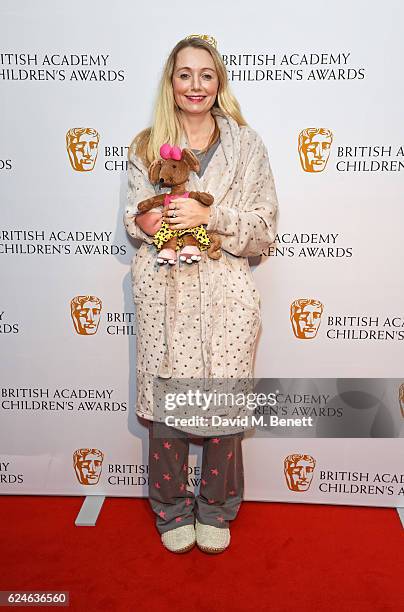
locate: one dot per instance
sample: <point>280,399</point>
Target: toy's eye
<point>174,166</point>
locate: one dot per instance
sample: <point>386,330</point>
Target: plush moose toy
<point>173,171</point>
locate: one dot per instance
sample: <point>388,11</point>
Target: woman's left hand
<point>188,213</point>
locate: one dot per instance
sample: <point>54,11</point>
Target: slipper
<point>167,256</point>
<point>190,254</point>
<point>179,540</point>
<point>211,540</point>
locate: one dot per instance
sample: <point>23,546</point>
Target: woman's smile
<point>195,99</point>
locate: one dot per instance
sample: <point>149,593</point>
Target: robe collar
<point>221,170</point>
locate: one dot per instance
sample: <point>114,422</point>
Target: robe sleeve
<point>139,188</point>
<point>249,229</point>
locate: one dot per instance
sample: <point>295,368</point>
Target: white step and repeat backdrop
<point>322,86</point>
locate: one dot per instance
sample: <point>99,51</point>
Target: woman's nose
<point>195,83</point>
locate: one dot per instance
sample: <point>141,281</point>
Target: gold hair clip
<point>209,39</point>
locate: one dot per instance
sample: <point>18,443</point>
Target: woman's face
<point>195,81</point>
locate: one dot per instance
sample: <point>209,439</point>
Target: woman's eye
<point>209,76</point>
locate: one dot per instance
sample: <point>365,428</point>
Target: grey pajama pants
<point>222,479</point>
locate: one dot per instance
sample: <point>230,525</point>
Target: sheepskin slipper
<point>211,539</point>
<point>179,540</point>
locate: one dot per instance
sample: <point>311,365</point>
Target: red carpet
<point>282,557</point>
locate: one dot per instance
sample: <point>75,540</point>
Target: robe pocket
<point>150,334</point>
<point>253,285</point>
<point>148,278</point>
<point>243,321</point>
<point>240,283</point>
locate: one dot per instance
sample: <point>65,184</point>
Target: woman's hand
<point>149,222</point>
<point>189,213</point>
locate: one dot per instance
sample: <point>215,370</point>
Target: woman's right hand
<point>149,222</point>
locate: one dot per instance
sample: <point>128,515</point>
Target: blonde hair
<point>167,125</point>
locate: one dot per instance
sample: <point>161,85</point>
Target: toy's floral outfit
<point>165,232</point>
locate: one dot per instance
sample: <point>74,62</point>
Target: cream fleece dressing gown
<point>201,321</point>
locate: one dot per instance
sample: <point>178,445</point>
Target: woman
<point>198,322</point>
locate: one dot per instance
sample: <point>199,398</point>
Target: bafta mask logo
<point>87,464</point>
<point>314,148</point>
<point>299,471</point>
<point>305,315</point>
<point>86,311</point>
<point>82,147</point>
<point>401,399</point>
